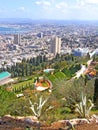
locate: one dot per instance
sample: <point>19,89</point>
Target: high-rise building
<point>56,45</point>
<point>40,35</point>
<point>17,39</point>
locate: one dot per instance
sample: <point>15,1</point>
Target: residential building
<point>17,39</point>
<point>56,45</point>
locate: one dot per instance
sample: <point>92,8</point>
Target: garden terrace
<point>42,84</point>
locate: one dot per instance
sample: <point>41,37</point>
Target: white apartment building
<point>56,45</point>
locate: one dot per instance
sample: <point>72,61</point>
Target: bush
<point>71,90</point>
<point>6,100</point>
<point>84,107</point>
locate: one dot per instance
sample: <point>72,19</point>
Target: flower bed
<point>42,85</point>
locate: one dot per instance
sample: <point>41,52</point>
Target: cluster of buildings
<point>48,40</point>
<point>21,47</point>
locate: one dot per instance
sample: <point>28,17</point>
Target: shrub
<point>84,107</point>
<point>37,106</point>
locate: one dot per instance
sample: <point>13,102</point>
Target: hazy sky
<point>50,9</point>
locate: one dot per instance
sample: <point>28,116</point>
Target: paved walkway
<point>81,71</point>
<point>83,68</point>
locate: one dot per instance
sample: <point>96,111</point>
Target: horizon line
<point>51,19</point>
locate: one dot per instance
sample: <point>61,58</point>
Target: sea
<point>19,30</point>
<point>10,30</point>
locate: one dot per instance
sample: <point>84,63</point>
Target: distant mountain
<point>44,21</point>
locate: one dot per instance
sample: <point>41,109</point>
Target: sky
<point>50,9</point>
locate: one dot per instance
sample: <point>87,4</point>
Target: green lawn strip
<point>60,75</point>
<point>67,72</point>
<point>23,84</point>
<point>52,78</point>
<point>44,84</point>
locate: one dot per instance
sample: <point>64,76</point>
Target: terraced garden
<point>62,98</point>
<point>23,85</point>
<point>66,73</point>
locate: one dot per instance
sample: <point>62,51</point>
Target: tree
<point>57,56</point>
<point>34,61</point>
<point>71,91</point>
<point>96,92</point>
<point>44,58</point>
<point>88,56</point>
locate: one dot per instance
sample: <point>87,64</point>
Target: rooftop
<point>4,75</point>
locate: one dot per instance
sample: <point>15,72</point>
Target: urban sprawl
<point>48,40</point>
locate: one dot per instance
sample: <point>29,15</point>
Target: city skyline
<point>50,9</point>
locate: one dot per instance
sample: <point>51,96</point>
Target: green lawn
<point>44,84</point>
<point>60,75</point>
<point>56,76</point>
<point>52,78</point>
<point>67,72</point>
